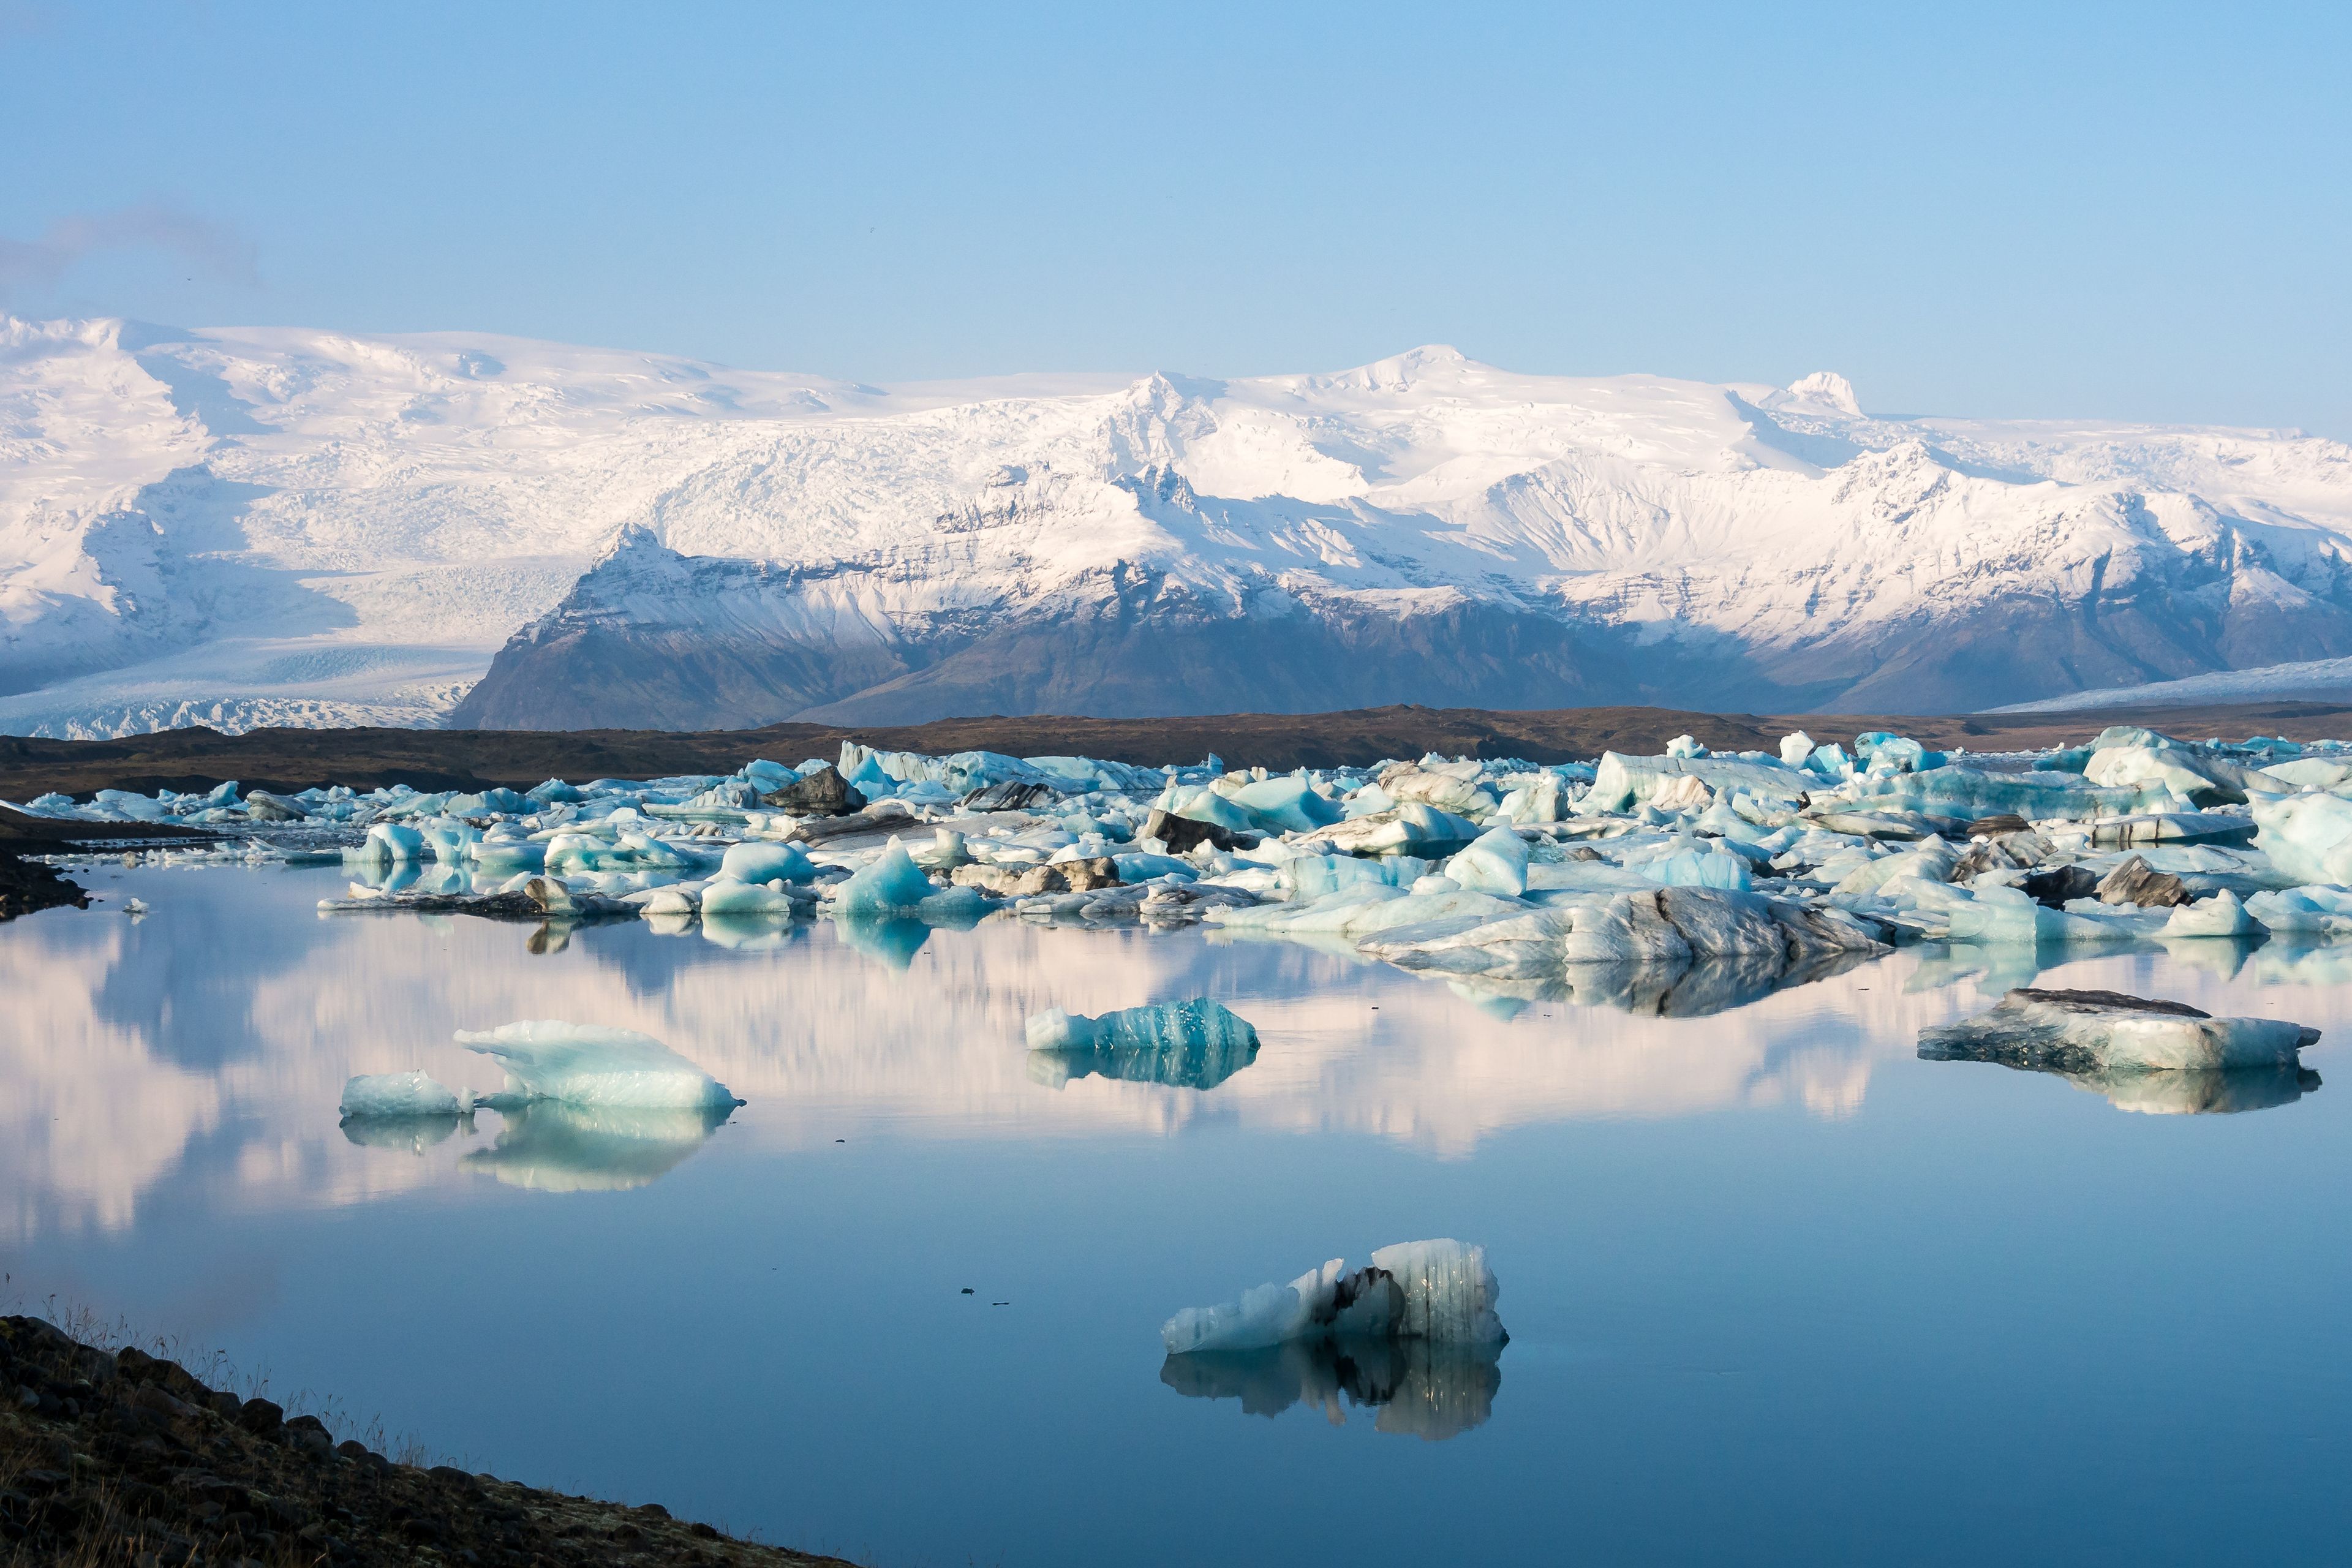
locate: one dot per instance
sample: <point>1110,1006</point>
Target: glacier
<point>247,526</point>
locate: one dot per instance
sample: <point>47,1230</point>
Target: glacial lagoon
<point>1776,1288</point>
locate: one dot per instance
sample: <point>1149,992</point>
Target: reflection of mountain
<point>557,1148</point>
<point>1414,1387</point>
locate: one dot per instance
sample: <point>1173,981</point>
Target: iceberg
<point>385,1094</point>
<point>1195,1043</point>
<point>1287,806</point>
<point>2308,837</point>
<point>590,1064</point>
<point>1495,862</point>
<point>890,882</point>
<point>1622,783</point>
<point>752,862</point>
<point>1437,1291</point>
<point>2099,1031</point>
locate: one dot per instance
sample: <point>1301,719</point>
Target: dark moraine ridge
<point>290,760</point>
<point>121,1457</point>
<point>26,884</point>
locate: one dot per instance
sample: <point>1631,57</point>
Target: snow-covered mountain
<point>255,526</point>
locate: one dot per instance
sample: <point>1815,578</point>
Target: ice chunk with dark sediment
<point>389,1094</point>
<point>1418,1388</point>
<point>1439,1290</point>
<point>2098,1031</point>
<point>590,1064</point>
<point>1196,1044</point>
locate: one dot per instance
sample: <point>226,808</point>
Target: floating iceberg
<point>385,1094</point>
<point>588,1063</point>
<point>892,883</point>
<point>1438,1290</point>
<point>1196,1044</point>
<point>2100,1031</point>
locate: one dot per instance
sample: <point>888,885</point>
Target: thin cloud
<point>31,264</point>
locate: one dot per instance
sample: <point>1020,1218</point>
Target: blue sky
<point>2131,212</point>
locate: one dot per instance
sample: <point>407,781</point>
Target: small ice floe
<point>2092,1031</point>
<point>134,907</point>
<point>589,1064</point>
<point>372,1096</point>
<point>1196,1044</point>
<point>1438,1290</point>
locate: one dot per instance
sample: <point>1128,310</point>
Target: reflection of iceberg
<point>892,940</point>
<point>1196,1044</point>
<point>1416,1387</point>
<point>413,1133</point>
<point>1673,989</point>
<point>552,1147</point>
<point>588,1063</point>
<point>2199,1093</point>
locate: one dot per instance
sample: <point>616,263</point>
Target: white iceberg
<point>400,1094</point>
<point>2094,1031</point>
<point>1437,1291</point>
<point>589,1064</point>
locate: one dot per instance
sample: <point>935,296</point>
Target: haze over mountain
<point>250,526</point>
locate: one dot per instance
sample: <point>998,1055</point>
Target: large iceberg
<point>2098,1031</point>
<point>592,1065</point>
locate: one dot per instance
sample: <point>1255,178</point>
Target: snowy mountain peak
<point>202,522</point>
<point>1822,393</point>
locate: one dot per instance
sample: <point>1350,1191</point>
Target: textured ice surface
<point>754,862</point>
<point>399,1094</point>
<point>588,1063</point>
<point>892,881</point>
<point>1438,1290</point>
<point>2308,837</point>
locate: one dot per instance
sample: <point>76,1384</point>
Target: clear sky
<point>2133,212</point>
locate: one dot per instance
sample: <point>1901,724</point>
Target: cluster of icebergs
<point>1503,876</point>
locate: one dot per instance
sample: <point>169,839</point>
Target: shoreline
<point>108,1455</point>
<point>287,762</point>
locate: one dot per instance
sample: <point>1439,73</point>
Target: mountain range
<point>254,526</point>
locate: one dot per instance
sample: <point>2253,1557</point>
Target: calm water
<point>1778,1292</point>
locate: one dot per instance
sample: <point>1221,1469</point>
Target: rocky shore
<point>120,1457</point>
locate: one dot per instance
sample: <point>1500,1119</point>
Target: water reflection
<point>2198,1091</point>
<point>1189,1064</point>
<point>552,1147</point>
<point>1414,1388</point>
<point>1686,990</point>
<point>413,1133</point>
